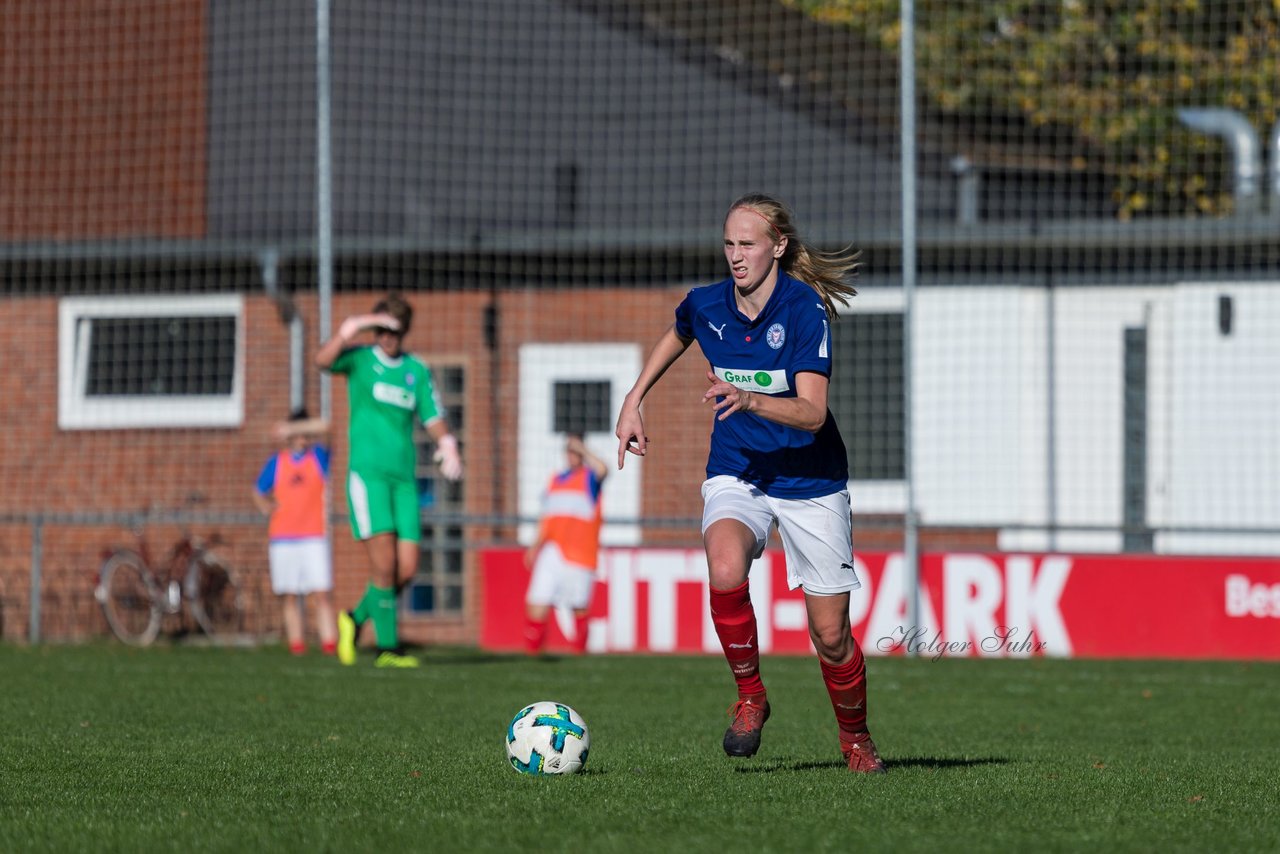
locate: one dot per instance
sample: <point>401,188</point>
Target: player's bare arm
<point>286,430</point>
<point>266,504</point>
<point>531,553</point>
<point>806,411</point>
<point>593,462</point>
<point>630,431</point>
<point>347,332</point>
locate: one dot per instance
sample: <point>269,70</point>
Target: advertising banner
<point>986,605</point>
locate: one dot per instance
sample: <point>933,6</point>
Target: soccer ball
<point>548,738</point>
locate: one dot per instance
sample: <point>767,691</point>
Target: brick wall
<point>55,472</point>
<point>58,472</point>
<point>103,109</point>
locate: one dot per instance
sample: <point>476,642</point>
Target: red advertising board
<point>988,605</point>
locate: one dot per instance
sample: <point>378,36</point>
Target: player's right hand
<point>631,437</point>
<point>353,326</point>
<point>382,321</point>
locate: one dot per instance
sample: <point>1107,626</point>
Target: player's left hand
<point>731,398</point>
<point>448,458</point>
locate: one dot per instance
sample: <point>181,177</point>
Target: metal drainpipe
<point>1246,152</point>
<point>1273,160</point>
<point>966,175</point>
<point>269,261</point>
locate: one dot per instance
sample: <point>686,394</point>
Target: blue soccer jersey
<point>764,355</point>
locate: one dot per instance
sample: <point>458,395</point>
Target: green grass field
<point>195,749</point>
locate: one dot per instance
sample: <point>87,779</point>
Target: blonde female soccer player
<point>776,456</point>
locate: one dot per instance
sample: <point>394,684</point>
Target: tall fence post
<point>324,191</point>
<point>911,522</point>
<point>37,559</point>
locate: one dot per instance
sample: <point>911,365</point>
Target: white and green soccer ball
<point>548,738</point>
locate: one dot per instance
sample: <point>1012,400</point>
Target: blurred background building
<point>193,194</point>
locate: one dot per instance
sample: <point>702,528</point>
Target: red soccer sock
<point>329,647</point>
<point>735,622</point>
<point>580,626</point>
<point>847,687</point>
<point>535,633</point>
<point>297,647</point>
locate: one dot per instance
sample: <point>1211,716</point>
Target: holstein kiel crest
<point>775,336</point>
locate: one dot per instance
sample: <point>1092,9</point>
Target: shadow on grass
<point>771,766</point>
<point>463,655</point>
<point>436,655</point>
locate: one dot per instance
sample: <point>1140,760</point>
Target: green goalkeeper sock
<point>381,605</point>
<point>362,611</point>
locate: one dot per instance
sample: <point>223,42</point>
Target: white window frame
<point>78,411</point>
<point>542,450</point>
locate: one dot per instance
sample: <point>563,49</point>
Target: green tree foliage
<point>1109,74</point>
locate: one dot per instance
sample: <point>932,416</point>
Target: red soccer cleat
<point>742,738</point>
<point>861,755</point>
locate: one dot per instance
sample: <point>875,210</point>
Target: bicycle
<point>137,595</point>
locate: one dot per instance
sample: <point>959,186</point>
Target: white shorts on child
<point>817,533</point>
<point>559,583</point>
<point>300,566</point>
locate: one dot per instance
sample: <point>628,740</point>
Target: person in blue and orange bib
<point>563,557</point>
<point>776,456</point>
<point>291,491</point>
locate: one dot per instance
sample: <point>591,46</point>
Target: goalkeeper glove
<point>446,456</point>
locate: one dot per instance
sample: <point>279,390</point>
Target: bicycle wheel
<point>214,596</point>
<point>130,598</point>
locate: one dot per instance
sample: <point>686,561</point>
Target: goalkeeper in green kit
<point>387,389</point>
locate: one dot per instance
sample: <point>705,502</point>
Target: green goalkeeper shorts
<point>383,506</point>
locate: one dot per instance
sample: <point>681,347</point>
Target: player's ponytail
<point>828,273</point>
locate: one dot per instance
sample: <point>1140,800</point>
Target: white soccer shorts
<point>558,583</point>
<point>300,566</point>
<point>817,533</point>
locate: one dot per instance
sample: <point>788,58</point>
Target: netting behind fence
<point>1098,195</point>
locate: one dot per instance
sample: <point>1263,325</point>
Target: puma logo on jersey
<point>719,332</point>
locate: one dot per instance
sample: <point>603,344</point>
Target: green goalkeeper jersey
<point>384,396</point>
